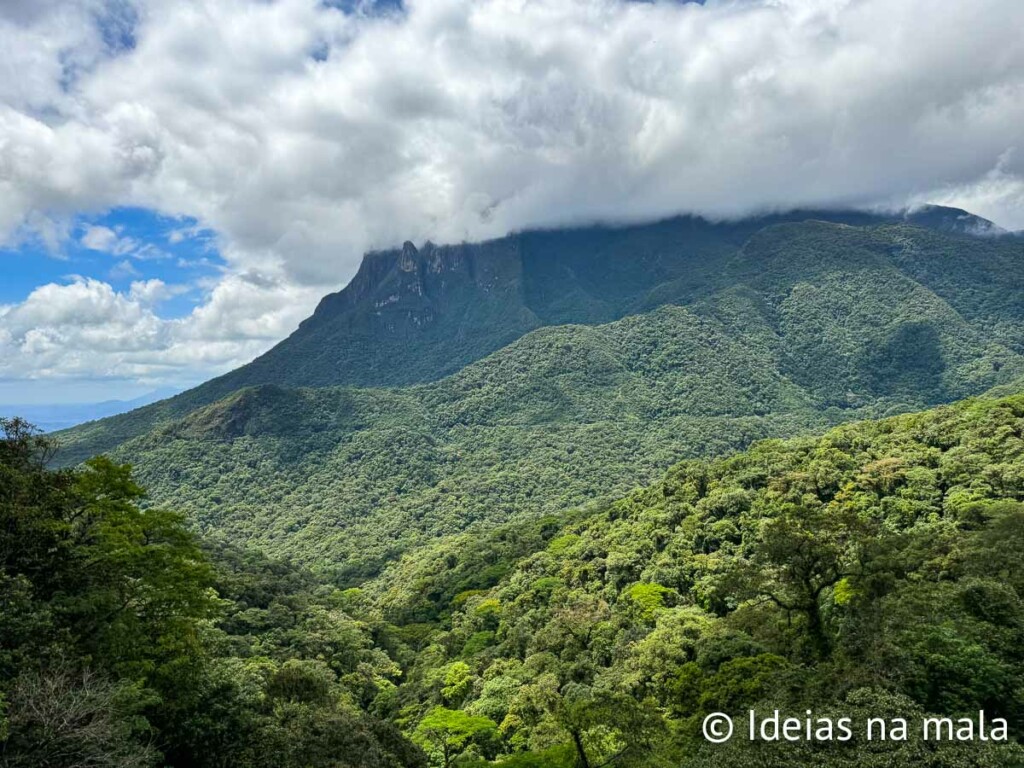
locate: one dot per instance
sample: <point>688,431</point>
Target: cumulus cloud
<point>87,329</point>
<point>999,192</point>
<point>100,238</point>
<point>153,291</point>
<point>61,330</point>
<point>303,135</point>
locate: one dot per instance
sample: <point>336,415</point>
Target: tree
<point>65,716</point>
<point>608,728</point>
<point>799,555</point>
<point>450,731</point>
<point>141,581</point>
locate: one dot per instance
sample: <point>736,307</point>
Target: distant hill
<point>795,326</point>
<point>57,416</point>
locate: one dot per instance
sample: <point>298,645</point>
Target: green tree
<point>608,728</point>
<point>449,731</point>
<point>799,556</point>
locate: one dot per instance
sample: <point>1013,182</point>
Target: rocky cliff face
<point>404,291</point>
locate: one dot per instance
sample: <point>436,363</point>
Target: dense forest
<point>858,572</point>
<point>876,570</point>
<point>127,642</point>
<point>806,325</point>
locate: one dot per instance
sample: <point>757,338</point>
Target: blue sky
<point>120,247</point>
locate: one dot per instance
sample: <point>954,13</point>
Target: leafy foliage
<point>874,571</point>
<point>123,645</point>
<point>449,731</point>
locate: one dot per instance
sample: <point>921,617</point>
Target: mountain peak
<point>408,262</point>
<point>947,219</point>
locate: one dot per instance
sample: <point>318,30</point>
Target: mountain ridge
<point>412,315</point>
<point>818,323</point>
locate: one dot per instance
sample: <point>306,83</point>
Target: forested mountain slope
<point>818,323</point>
<point>875,571</point>
<point>413,315</point>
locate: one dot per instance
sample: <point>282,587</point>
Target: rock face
<point>402,293</point>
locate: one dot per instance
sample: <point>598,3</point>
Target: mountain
<point>795,326</point>
<point>58,416</point>
<point>483,560</point>
<point>414,315</point>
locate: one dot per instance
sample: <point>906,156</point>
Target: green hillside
<point>819,323</point>
<point>440,573</point>
<point>414,315</point>
<point>875,571</point>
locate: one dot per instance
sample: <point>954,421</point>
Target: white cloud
<point>999,192</point>
<point>468,118</point>
<point>86,329</point>
<point>105,239</point>
<point>98,238</point>
<point>124,269</point>
<point>154,291</point>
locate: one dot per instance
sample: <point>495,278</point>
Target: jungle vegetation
<point>549,501</point>
<point>876,570</point>
<point>125,641</point>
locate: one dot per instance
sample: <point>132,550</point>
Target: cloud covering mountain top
<point>303,133</point>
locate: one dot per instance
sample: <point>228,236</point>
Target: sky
<point>182,180</point>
